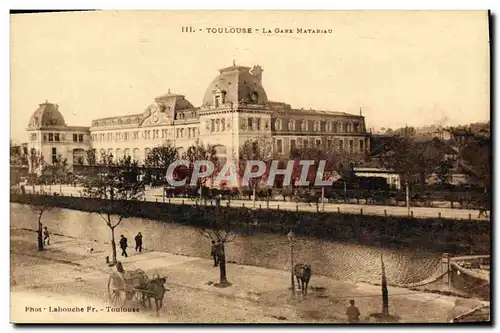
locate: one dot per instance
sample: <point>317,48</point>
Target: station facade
<point>235,109</point>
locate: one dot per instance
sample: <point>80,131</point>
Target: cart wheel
<point>116,290</point>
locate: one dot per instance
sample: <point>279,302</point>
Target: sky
<point>402,68</point>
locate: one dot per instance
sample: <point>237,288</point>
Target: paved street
<point>65,273</point>
<point>155,194</point>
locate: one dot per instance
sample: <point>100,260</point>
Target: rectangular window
<point>329,145</point>
<point>56,137</point>
<point>75,137</point>
<point>279,146</point>
<point>341,145</point>
<point>54,155</point>
<point>351,146</point>
<point>293,144</point>
<point>250,124</point>
<point>305,144</point>
<point>51,137</point>
<point>212,127</point>
<point>361,145</point>
<point>318,142</point>
<point>258,124</point>
<point>80,137</point>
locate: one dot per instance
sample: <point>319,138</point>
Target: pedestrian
<point>213,254</point>
<point>46,236</point>
<point>123,245</point>
<point>352,313</point>
<point>138,242</point>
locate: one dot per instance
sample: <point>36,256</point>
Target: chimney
<point>257,72</point>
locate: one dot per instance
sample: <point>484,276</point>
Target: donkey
<point>303,274</point>
<point>156,289</point>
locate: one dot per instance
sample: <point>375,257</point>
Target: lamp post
<point>291,239</point>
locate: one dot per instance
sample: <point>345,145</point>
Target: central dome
<point>47,114</point>
<point>239,84</point>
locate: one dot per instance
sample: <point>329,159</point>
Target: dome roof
<point>47,114</point>
<point>240,84</point>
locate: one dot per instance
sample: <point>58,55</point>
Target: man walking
<point>213,254</point>
<point>123,245</point>
<point>138,242</point>
<point>46,236</point>
<point>352,313</point>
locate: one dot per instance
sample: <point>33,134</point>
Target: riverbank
<point>438,234</point>
<point>256,295</point>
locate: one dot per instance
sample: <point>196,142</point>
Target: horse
<point>156,290</point>
<point>303,274</point>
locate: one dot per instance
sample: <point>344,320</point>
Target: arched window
<point>127,152</point>
<point>328,126</point>
<point>278,125</point>
<point>135,154</point>
<point>291,125</point>
<point>339,127</point>
<point>303,125</point>
<point>110,153</point>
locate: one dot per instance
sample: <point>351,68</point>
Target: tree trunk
<point>113,244</point>
<point>254,197</point>
<point>222,266</point>
<point>408,196</point>
<point>40,232</point>
<point>60,188</point>
<point>385,292</point>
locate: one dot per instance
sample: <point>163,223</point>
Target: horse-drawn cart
<point>135,285</point>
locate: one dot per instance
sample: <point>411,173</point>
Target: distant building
<point>235,109</point>
<point>392,178</point>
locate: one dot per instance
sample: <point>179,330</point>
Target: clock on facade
<point>254,97</point>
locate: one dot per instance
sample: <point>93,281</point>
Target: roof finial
<point>234,62</point>
<point>46,101</point>
<point>360,110</point>
<point>169,90</point>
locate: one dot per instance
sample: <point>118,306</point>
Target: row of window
<point>182,132</point>
<point>56,137</point>
<point>351,146</point>
<point>319,126</point>
<point>257,124</point>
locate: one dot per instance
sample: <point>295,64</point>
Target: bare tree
<point>40,209</point>
<point>117,180</point>
<point>60,170</point>
<point>91,157</point>
<point>260,149</point>
<point>219,228</point>
<point>159,158</point>
<point>408,158</point>
<point>199,152</point>
<point>37,166</point>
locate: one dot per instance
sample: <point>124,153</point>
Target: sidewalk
<point>267,288</point>
<point>155,195</point>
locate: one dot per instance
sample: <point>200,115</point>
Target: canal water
<point>340,260</point>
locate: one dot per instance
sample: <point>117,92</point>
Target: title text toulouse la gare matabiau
<point>261,30</point>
